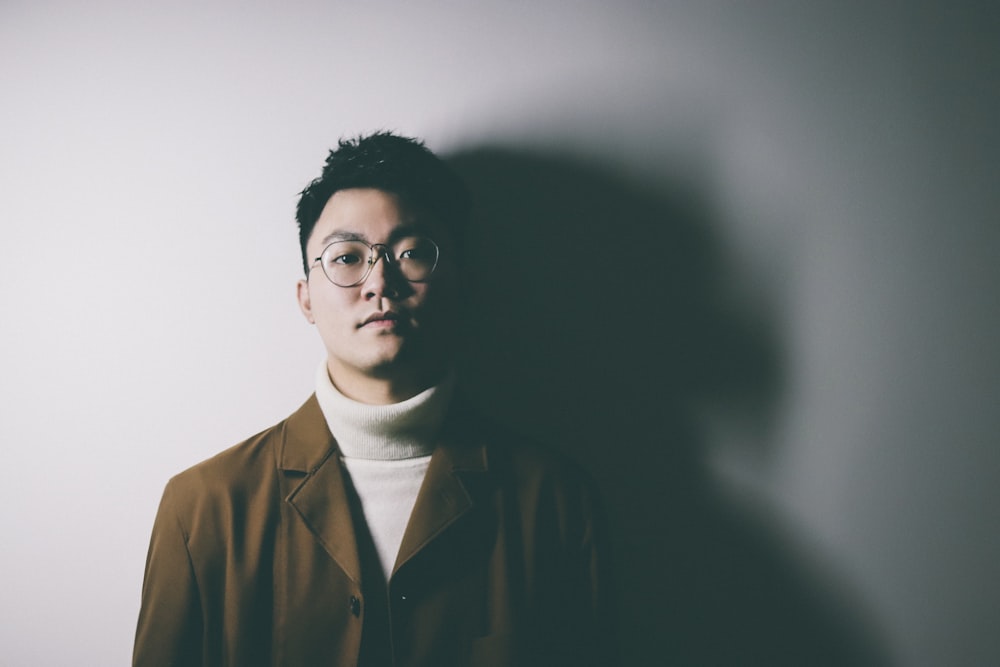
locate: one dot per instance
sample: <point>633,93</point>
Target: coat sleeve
<point>577,625</point>
<point>169,631</point>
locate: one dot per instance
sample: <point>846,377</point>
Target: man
<point>382,523</point>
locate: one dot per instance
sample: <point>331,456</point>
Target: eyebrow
<point>337,235</point>
<point>397,233</point>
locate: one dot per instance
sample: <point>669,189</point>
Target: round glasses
<point>348,263</point>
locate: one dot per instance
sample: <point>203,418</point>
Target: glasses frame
<point>384,253</point>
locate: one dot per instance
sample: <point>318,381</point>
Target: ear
<point>305,303</point>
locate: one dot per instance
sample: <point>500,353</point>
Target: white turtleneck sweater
<point>386,450</point>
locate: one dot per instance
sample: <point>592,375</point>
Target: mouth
<point>378,320</point>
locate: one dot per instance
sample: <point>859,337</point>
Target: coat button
<point>355,606</point>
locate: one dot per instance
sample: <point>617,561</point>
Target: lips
<point>380,319</point>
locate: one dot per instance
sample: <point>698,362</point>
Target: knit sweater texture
<point>385,451</point>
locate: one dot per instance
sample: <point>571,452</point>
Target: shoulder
<point>233,464</point>
<point>529,465</point>
<point>231,477</point>
<point>298,443</point>
<point>550,497</point>
<point>537,460</point>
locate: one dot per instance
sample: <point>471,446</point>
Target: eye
<point>345,259</point>
<point>416,250</point>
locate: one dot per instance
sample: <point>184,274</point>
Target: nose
<point>382,279</point>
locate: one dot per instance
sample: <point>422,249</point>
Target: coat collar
<point>306,441</point>
<point>309,458</point>
<point>457,466</point>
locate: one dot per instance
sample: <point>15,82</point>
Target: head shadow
<point>601,320</point>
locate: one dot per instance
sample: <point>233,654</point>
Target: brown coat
<point>256,559</point>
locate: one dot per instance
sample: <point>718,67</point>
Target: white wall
<point>149,162</point>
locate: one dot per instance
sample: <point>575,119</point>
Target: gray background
<point>149,162</point>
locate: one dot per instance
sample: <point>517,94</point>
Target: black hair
<point>399,165</point>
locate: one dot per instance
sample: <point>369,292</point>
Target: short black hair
<point>399,165</point>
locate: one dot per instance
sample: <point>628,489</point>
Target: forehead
<point>365,212</point>
<point>371,215</point>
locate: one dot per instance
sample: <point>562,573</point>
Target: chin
<point>384,369</point>
<point>403,362</point>
<point>387,363</point>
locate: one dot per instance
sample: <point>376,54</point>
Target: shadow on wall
<point>599,323</point>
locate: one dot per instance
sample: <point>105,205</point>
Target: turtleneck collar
<point>402,430</point>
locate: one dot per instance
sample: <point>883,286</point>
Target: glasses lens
<point>416,257</point>
<point>345,262</point>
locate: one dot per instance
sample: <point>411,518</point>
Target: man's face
<point>385,328</point>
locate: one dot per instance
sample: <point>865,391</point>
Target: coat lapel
<point>447,492</point>
<point>319,492</point>
<point>321,498</point>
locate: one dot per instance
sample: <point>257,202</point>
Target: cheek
<point>449,284</point>
<point>440,301</point>
<point>331,309</point>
